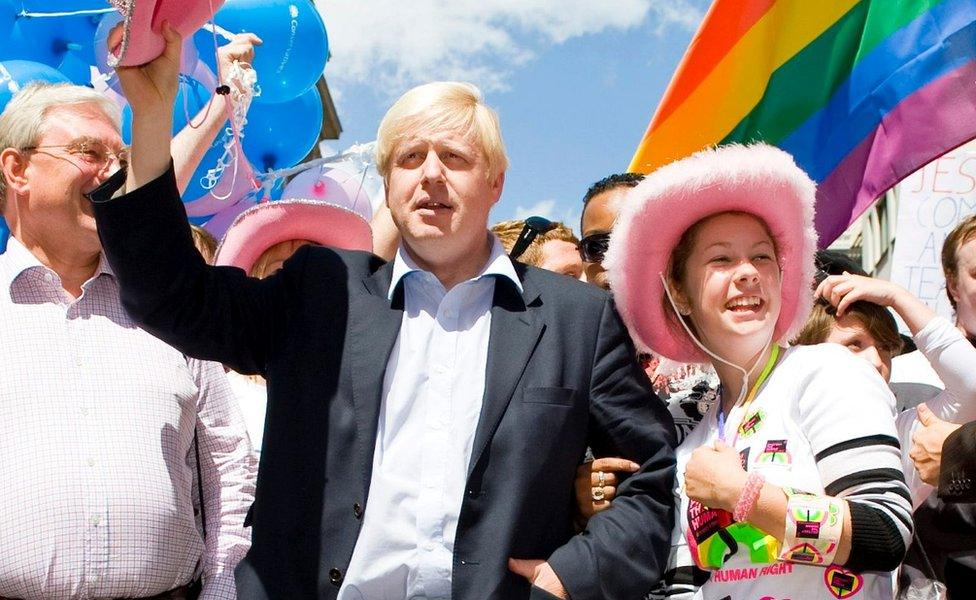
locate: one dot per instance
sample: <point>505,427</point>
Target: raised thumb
<point>925,415</point>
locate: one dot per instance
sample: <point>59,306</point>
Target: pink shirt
<point>97,465</point>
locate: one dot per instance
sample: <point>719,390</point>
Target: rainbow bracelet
<point>749,496</point>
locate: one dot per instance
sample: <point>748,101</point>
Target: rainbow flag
<point>862,93</point>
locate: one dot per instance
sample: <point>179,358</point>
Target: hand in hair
<point>927,444</point>
<point>843,290</point>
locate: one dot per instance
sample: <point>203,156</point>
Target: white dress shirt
<point>252,397</point>
<point>97,420</point>
<point>431,403</point>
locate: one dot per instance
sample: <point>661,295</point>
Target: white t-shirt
<point>828,419</point>
<point>952,360</point>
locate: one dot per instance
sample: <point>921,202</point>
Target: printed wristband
<point>813,528</point>
<point>748,497</point>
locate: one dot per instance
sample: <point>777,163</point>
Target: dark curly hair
<point>611,183</point>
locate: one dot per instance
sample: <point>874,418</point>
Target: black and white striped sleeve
<point>847,413</point>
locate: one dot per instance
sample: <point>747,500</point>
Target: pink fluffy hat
<point>261,227</point>
<point>142,40</point>
<point>757,179</point>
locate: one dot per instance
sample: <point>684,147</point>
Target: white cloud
<point>392,44</point>
<point>685,14</point>
<point>543,208</point>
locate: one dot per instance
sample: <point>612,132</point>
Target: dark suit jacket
<point>561,376</point>
<point>958,470</point>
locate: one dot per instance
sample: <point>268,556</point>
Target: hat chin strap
<point>745,373</point>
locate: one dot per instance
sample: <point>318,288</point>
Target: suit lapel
<point>515,331</point>
<point>373,334</point>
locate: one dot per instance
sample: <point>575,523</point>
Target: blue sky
<point>575,82</point>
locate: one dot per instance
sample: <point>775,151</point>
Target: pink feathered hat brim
<point>757,179</point>
<point>261,227</point>
<point>142,40</point>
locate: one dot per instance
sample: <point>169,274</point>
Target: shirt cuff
<point>219,586</point>
<point>876,543</point>
<point>109,190</point>
<point>109,187</point>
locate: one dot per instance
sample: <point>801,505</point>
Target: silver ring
<point>597,494</point>
<point>602,478</point>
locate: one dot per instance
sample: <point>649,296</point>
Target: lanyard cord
<point>763,376</point>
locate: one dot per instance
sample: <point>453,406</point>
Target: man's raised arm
<point>206,312</point>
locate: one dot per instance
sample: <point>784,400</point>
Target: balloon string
<point>70,13</point>
<point>218,30</point>
<point>214,174</point>
<point>362,182</point>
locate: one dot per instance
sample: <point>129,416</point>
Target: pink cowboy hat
<point>142,40</point>
<point>261,227</point>
<point>758,179</point>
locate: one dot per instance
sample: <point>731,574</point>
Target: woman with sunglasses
<point>791,486</point>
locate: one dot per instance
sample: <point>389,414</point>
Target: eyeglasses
<point>532,228</point>
<point>593,247</point>
<point>92,152</point>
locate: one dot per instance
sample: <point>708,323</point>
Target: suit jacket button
<point>335,576</point>
<point>357,510</point>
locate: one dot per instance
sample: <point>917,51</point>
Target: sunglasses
<point>534,226</point>
<point>593,247</point>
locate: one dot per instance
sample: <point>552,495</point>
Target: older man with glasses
<point>126,468</point>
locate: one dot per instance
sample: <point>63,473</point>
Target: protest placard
<point>930,203</point>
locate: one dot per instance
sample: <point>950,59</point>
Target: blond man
<point>554,250</point>
<point>425,416</point>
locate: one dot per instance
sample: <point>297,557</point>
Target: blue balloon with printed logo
<point>15,74</point>
<point>281,135</point>
<point>295,47</point>
<point>191,97</point>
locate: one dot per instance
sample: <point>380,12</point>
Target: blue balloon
<point>191,98</point>
<point>15,74</point>
<point>295,47</point>
<point>8,19</point>
<point>280,135</point>
<point>75,68</point>
<point>46,39</point>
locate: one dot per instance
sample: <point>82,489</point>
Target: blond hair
<point>205,243</point>
<point>442,106</point>
<point>508,232</point>
<point>960,234</point>
<point>22,121</point>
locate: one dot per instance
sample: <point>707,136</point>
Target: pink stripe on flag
<point>924,126</point>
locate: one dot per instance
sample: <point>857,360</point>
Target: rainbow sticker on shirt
<point>842,583</point>
<point>714,537</point>
<point>752,423</point>
<point>775,454</point>
<point>808,522</point>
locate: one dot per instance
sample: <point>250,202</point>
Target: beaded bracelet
<point>749,496</point>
